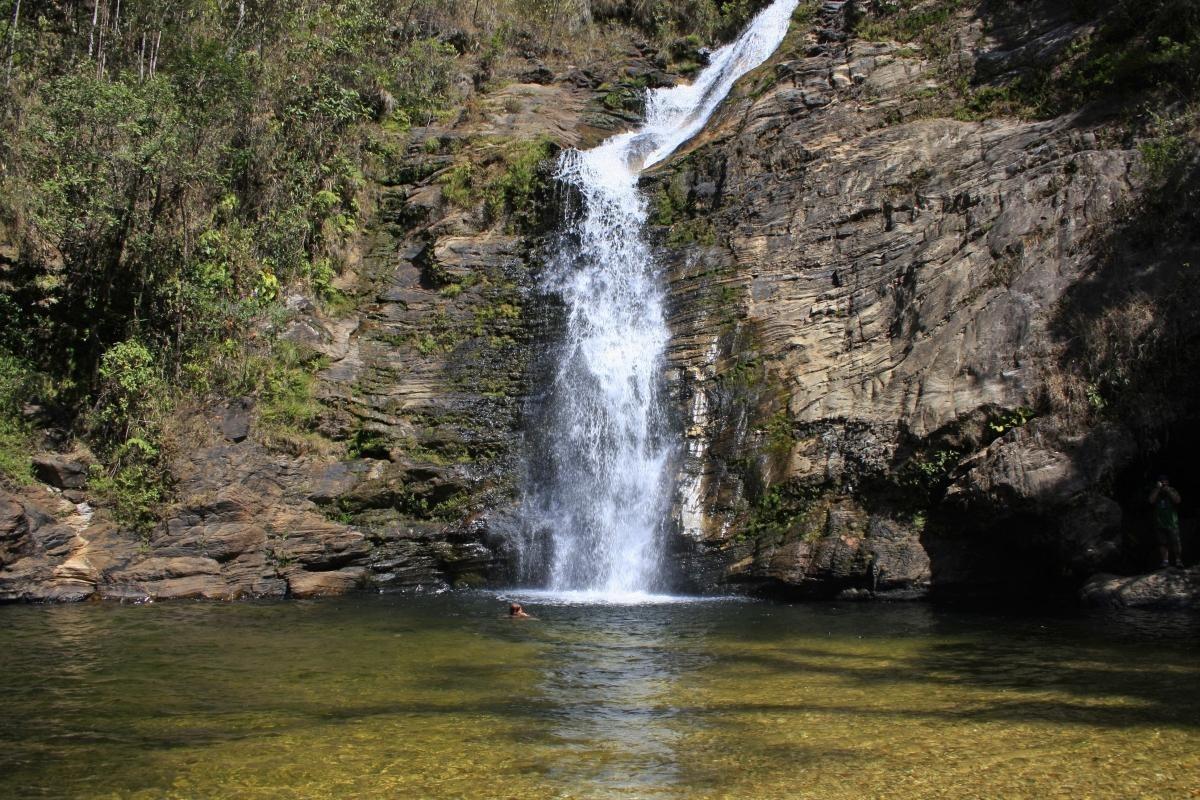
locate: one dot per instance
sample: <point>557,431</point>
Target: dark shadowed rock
<point>537,73</point>
<point>1090,534</point>
<point>64,472</point>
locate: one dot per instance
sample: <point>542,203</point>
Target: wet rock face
<point>862,300</point>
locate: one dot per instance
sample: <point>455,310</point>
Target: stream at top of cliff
<point>388,696</point>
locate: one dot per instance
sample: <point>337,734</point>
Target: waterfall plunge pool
<point>386,696</point>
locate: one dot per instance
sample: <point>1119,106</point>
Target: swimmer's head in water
<point>514,609</point>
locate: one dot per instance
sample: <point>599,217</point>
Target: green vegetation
<point>672,207</point>
<point>625,97</point>
<point>1142,51</point>
<point>1162,154</point>
<point>456,183</point>
<point>1006,420</point>
<point>169,172</point>
<point>14,431</point>
<point>928,472</point>
<point>779,434</point>
<point>790,510</point>
<point>670,203</point>
<point>504,177</point>
<point>288,411</point>
<point>367,443</point>
<point>694,231</point>
<point>909,21</point>
<point>127,423</point>
<point>136,487</point>
<point>511,194</point>
<point>699,20</point>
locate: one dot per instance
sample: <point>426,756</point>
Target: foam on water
<point>588,597</point>
<point>600,484</point>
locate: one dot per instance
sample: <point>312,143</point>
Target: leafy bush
<point>133,400</point>
<point>513,191</point>
<point>131,389</point>
<point>505,180</point>
<point>136,487</point>
<point>14,432</point>
<point>288,409</point>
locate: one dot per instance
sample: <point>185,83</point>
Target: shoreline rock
<point>1172,587</point>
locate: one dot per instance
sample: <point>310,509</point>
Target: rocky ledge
<point>1166,588</point>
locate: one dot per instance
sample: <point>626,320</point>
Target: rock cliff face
<point>868,311</point>
<point>872,312</point>
<point>410,478</point>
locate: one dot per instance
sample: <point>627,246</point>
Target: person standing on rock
<point>1165,499</point>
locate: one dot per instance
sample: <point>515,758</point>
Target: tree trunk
<point>92,32</point>
<point>154,54</point>
<point>12,40</point>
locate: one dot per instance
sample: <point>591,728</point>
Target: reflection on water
<point>445,697</point>
<point>611,683</point>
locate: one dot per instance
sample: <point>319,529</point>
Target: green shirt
<point>1164,512</point>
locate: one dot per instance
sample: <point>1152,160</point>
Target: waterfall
<point>600,484</point>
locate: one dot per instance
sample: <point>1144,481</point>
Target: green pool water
<point>443,697</point>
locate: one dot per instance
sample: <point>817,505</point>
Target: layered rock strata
<point>865,298</point>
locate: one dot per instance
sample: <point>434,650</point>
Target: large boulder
<point>837,546</point>
<point>41,557</point>
<point>63,472</point>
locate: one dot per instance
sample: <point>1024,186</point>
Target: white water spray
<point>600,481</point>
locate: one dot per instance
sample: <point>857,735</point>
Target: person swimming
<point>515,611</point>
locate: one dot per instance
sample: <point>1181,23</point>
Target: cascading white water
<point>600,486</point>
